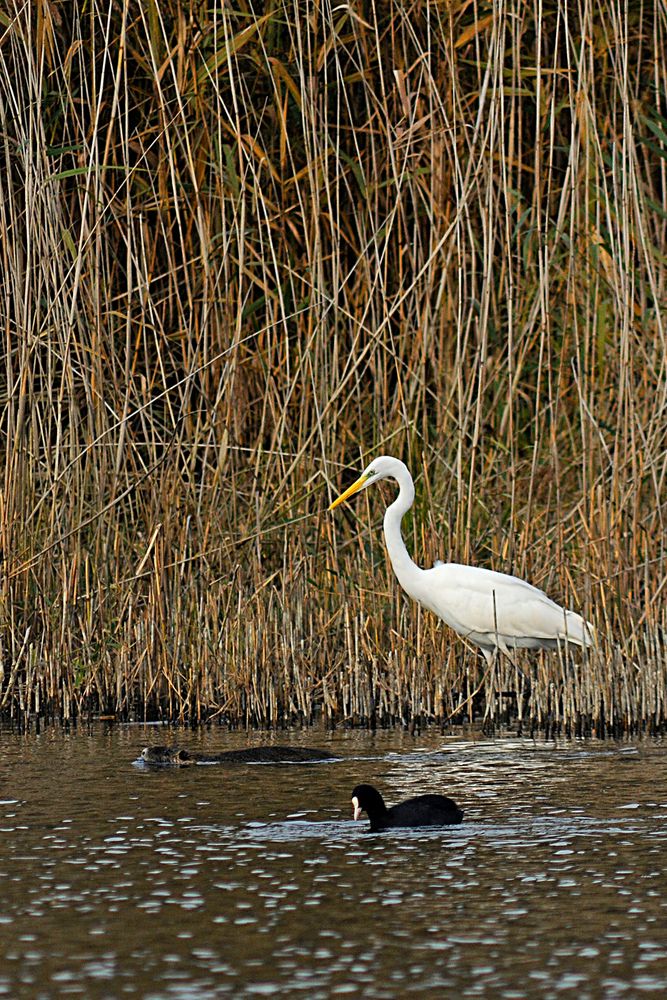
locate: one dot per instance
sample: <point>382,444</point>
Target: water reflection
<point>119,880</point>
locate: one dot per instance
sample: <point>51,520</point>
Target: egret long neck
<point>404,567</point>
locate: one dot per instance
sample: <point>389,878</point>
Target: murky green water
<point>119,880</point>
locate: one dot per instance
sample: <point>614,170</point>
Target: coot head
<point>367,799</point>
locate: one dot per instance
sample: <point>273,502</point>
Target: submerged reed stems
<point>243,250</point>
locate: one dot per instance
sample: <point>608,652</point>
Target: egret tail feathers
<point>578,631</point>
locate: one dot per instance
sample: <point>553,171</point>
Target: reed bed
<point>246,247</point>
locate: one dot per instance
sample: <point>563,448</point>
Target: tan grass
<point>242,252</point>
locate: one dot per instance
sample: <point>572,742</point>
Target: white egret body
<point>495,611</point>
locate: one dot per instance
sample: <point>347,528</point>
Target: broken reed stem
<point>243,252</point>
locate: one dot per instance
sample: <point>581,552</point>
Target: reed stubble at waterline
<point>222,312</point>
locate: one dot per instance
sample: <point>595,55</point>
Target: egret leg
<point>504,648</point>
<point>490,656</point>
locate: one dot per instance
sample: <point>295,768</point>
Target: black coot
<point>423,810</point>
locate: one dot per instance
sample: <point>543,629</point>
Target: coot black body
<point>423,810</point>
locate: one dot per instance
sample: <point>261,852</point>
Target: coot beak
<point>357,808</point>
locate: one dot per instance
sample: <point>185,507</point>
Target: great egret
<point>495,611</point>
<point>423,810</point>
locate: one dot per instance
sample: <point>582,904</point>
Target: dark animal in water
<point>247,755</point>
<point>423,810</point>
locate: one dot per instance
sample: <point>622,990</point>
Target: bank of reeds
<point>246,247</point>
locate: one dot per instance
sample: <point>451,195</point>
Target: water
<point>121,880</point>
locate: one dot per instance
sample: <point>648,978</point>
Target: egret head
<point>383,467</point>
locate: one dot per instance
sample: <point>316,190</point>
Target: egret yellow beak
<point>350,491</point>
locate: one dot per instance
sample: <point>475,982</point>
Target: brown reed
<point>246,247</point>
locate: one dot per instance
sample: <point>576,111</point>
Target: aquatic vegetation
<point>242,253</point>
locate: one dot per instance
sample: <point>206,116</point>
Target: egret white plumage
<point>495,611</point>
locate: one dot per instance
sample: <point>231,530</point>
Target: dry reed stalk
<point>244,250</point>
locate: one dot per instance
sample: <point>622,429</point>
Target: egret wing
<point>474,600</point>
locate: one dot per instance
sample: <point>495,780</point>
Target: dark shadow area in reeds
<point>243,250</point>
